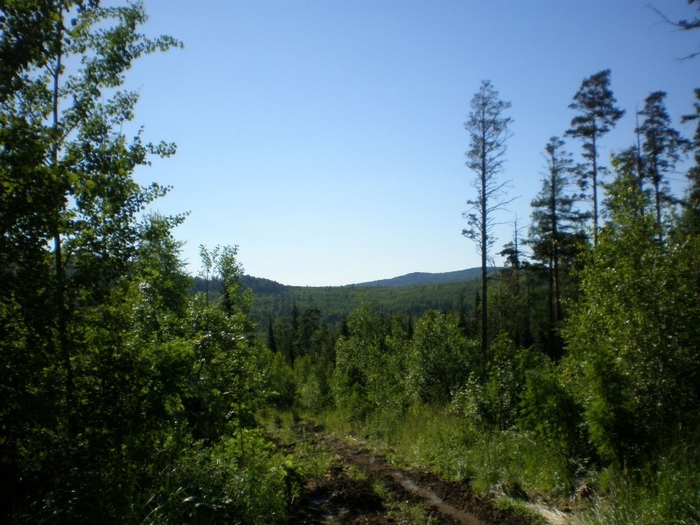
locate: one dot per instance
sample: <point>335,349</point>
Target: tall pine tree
<point>662,147</point>
<point>595,103</point>
<point>488,129</point>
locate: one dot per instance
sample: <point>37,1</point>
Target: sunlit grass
<point>434,439</point>
<point>415,513</point>
<point>355,473</point>
<point>517,465</point>
<point>520,463</point>
<point>403,511</point>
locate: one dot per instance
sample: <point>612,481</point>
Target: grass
<point>312,460</point>
<point>522,509</point>
<point>433,439</point>
<point>664,491</point>
<point>519,467</point>
<point>403,511</point>
<point>522,464</point>
<point>355,473</point>
<point>414,513</point>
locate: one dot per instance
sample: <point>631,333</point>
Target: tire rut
<point>342,496</point>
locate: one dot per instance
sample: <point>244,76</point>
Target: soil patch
<point>347,493</point>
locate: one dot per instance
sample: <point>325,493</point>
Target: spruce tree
<point>512,309</point>
<point>691,203</point>
<point>662,147</point>
<point>556,232</point>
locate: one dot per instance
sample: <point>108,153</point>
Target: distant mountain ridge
<point>425,278</point>
<point>412,294</point>
<point>267,286</point>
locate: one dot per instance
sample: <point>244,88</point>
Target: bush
<point>312,389</point>
<point>494,401</point>
<point>439,359</point>
<point>548,410</point>
<point>241,480</point>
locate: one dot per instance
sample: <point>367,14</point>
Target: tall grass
<point>666,490</point>
<point>448,444</point>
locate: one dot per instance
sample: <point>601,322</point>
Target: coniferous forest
<point>132,392</point>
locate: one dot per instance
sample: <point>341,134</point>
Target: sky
<point>325,138</point>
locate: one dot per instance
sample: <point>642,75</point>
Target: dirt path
<point>362,488</point>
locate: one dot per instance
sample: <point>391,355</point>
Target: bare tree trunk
<point>484,261</point>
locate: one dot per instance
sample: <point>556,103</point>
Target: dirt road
<point>362,488</point>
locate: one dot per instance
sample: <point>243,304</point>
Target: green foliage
<point>633,362</point>
<point>281,380</point>
<point>370,364</point>
<point>125,399</point>
<point>557,237</point>
<point>83,410</point>
<point>597,115</point>
<point>434,438</point>
<point>548,410</point>
<point>439,359</point>
<point>336,303</point>
<point>458,448</point>
<point>690,217</point>
<point>302,334</point>
<point>493,398</point>
<point>663,491</point>
<point>216,485</point>
<point>662,147</point>
<point>514,295</point>
<point>488,129</point>
<point>518,464</point>
<point>312,378</point>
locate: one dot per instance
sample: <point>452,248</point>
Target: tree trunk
<point>484,258</point>
<point>595,193</point>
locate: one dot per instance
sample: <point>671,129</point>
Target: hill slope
<point>411,294</point>
<point>419,278</point>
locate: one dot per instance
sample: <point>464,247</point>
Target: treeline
<point>273,301</point>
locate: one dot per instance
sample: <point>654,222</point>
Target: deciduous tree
<point>70,233</point>
<point>633,337</point>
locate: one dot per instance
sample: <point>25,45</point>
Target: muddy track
<point>347,493</point>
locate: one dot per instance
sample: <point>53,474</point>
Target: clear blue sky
<point>326,137</point>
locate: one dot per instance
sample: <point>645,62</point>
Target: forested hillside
<point>452,292</point>
<point>133,393</point>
